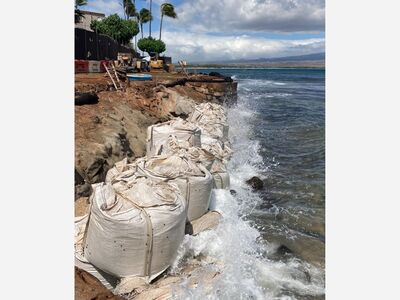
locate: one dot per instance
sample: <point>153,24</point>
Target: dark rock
<point>126,146</point>
<point>96,120</point>
<point>86,98</point>
<point>233,192</point>
<point>216,74</point>
<point>255,183</point>
<point>83,190</point>
<point>267,206</point>
<point>97,170</point>
<point>182,115</point>
<point>78,178</point>
<point>283,250</point>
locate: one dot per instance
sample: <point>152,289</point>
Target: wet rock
<point>255,183</point>
<point>88,287</point>
<point>233,192</point>
<point>283,250</point>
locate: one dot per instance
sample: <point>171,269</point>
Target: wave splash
<point>235,245</point>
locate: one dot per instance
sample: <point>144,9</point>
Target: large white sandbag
<point>195,154</point>
<point>135,226</point>
<point>211,119</point>
<point>220,175</point>
<point>216,147</point>
<point>215,163</point>
<point>157,135</point>
<point>194,180</point>
<point>107,280</point>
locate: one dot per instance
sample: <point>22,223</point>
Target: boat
<point>139,76</point>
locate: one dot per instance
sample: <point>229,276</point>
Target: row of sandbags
<point>137,216</point>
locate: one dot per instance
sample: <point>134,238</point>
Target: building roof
<point>86,12</point>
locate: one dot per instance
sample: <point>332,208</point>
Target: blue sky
<point>209,30</point>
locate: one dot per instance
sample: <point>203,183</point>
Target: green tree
<point>116,27</point>
<point>151,45</point>
<point>144,17</point>
<point>168,10</point>
<point>78,13</point>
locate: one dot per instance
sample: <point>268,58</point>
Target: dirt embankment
<point>115,126</point>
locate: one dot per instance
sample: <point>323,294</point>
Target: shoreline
<point>115,128</point>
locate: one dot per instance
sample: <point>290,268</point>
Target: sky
<point>215,30</point>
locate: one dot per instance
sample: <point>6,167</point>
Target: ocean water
<point>271,244</point>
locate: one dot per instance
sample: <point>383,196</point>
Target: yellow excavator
<point>156,63</point>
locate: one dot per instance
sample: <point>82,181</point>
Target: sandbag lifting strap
<point>149,244</point>
<point>220,177</point>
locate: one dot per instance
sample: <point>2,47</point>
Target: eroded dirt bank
<point>115,127</point>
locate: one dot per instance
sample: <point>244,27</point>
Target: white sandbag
<point>219,149</point>
<point>135,226</point>
<point>117,169</point>
<point>213,163</point>
<point>211,119</point>
<point>107,280</point>
<point>221,180</point>
<point>157,135</point>
<point>195,154</point>
<point>220,176</point>
<point>194,180</point>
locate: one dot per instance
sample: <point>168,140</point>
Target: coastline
<point>114,129</point>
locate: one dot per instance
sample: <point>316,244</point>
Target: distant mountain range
<point>309,60</point>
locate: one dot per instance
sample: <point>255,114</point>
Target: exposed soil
<point>88,287</point>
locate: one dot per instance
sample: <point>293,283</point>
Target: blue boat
<point>139,76</point>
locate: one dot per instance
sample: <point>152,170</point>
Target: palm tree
<point>167,9</point>
<point>78,13</point>
<point>129,8</point>
<point>151,2</point>
<point>144,17</point>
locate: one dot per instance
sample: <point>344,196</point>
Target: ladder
<point>182,63</point>
<point>113,76</point>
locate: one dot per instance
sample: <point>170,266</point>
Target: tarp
<point>135,226</point>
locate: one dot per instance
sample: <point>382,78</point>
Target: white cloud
<point>106,7</point>
<point>252,15</point>
<point>205,47</point>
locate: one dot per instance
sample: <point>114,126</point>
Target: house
<point>88,17</point>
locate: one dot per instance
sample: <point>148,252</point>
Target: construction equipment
<point>156,64</point>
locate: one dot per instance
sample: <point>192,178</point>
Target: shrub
<point>121,30</point>
<point>151,45</point>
